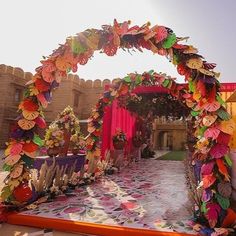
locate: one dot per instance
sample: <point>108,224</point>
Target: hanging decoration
<point>201,96</point>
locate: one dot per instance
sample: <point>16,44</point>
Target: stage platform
<point>147,198</point>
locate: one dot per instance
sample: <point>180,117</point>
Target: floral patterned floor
<point>150,194</point>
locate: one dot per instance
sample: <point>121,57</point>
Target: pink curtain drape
<point>114,118</point>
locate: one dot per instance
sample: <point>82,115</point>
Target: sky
<point>31,29</point>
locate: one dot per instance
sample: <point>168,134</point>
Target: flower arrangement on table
<point>119,139</point>
<point>69,124</point>
<point>77,144</point>
<point>67,120</point>
<point>54,140</point>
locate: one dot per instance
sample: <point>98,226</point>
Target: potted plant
<point>119,139</point>
<point>137,139</point>
<point>77,144</point>
<point>54,140</point>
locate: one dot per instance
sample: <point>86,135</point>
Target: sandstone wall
<point>13,80</point>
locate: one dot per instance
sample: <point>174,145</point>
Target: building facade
<point>81,95</point>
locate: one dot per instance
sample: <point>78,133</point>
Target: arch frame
<point>212,121</point>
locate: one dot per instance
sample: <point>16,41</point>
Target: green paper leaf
<point>138,79</point>
<point>169,41</point>
<point>150,72</point>
<point>228,160</point>
<point>77,47</point>
<point>191,86</point>
<point>6,193</point>
<point>166,82</point>
<point>202,130</point>
<point>28,161</point>
<point>37,140</point>
<point>6,167</point>
<point>220,100</point>
<point>224,115</point>
<point>26,93</point>
<point>175,59</point>
<point>224,202</point>
<point>195,113</point>
<point>127,79</point>
<point>203,208</point>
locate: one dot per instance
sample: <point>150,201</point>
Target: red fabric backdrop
<point>117,118</point>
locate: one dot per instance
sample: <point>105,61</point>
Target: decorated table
<point>69,160</point>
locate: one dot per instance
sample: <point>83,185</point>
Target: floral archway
<point>214,124</point>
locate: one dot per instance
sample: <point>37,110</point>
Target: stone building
<point>81,95</point>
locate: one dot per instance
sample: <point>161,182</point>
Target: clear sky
<point>31,29</point>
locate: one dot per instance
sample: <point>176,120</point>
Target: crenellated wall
<point>13,80</point>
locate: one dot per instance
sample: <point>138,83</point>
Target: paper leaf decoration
<point>29,105</point>
<point>222,168</point>
<point>42,100</point>
<point>224,189</point>
<point>224,202</point>
<point>62,64</point>
<point>190,49</point>
<point>195,113</point>
<point>161,33</point>
<point>127,79</point>
<point>201,87</point>
<point>211,107</point>
<point>191,86</point>
<point>209,120</point>
<point>203,207</point>
<point>77,47</point>
<point>207,168</point>
<point>37,140</point>
<point>208,180</point>
<point>48,76</point>
<point>30,147</point>
<point>227,126</point>
<point>40,122</point>
<point>16,171</point>
<point>224,115</point>
<point>12,159</point>
<point>229,220</point>
<point>220,100</point>
<point>30,115</point>
<point>213,211</point>
<point>29,161</point>
<point>169,41</point>
<point>15,149</point>
<point>206,72</point>
<point>223,138</point>
<point>26,124</point>
<point>194,63</point>
<point>212,133</point>
<point>206,195</point>
<point>219,150</point>
<point>6,193</point>
<point>166,82</point>
<point>228,160</point>
<point>6,167</point>
<point>42,85</point>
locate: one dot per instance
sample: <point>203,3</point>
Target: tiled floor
<point>149,194</point>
